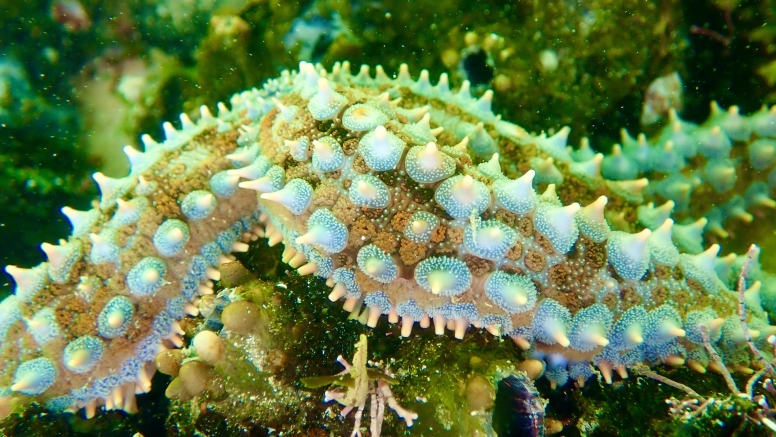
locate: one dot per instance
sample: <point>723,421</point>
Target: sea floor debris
<point>363,384</point>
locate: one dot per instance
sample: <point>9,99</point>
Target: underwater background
<point>81,79</point>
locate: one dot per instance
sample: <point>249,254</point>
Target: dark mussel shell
<point>518,411</point>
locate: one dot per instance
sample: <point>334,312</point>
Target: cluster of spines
<point>637,336</point>
<point>34,377</point>
<point>463,199</point>
<point>680,142</point>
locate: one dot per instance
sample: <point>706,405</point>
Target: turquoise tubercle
<point>254,170</point>
<point>83,353</point>
<point>515,294</point>
<point>628,253</point>
<point>115,316</point>
<point>421,131</point>
<point>327,102</point>
<point>591,328</point>
<point>298,148</point>
<point>460,195</point>
<point>224,184</point>
<point>591,222</point>
<point>369,191</point>
<point>662,325</point>
<point>44,326</point>
<point>327,155</point>
<point>362,117</point>
<point>707,318</point>
<point>381,149</point>
<point>661,249</point>
<point>171,236</point>
<point>628,331</point>
<point>28,281</point>
<point>421,226</point>
<point>147,276</point>
<point>61,258</point>
<point>443,276</point>
<point>517,195</point>
<point>80,221</point>
<point>128,212</point>
<point>489,240</point>
<point>558,224</point>
<point>295,196</point>
<point>551,323</point>
<point>272,180</point>
<point>653,216</point>
<point>427,164</point>
<point>35,376</point>
<point>619,167</point>
<point>325,231</point>
<point>377,264</point>
<point>546,171</point>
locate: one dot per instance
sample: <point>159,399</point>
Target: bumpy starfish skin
<point>410,201</point>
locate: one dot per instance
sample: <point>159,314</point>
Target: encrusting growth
<point>412,202</point>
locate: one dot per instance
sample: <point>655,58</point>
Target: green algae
<point>637,406</point>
